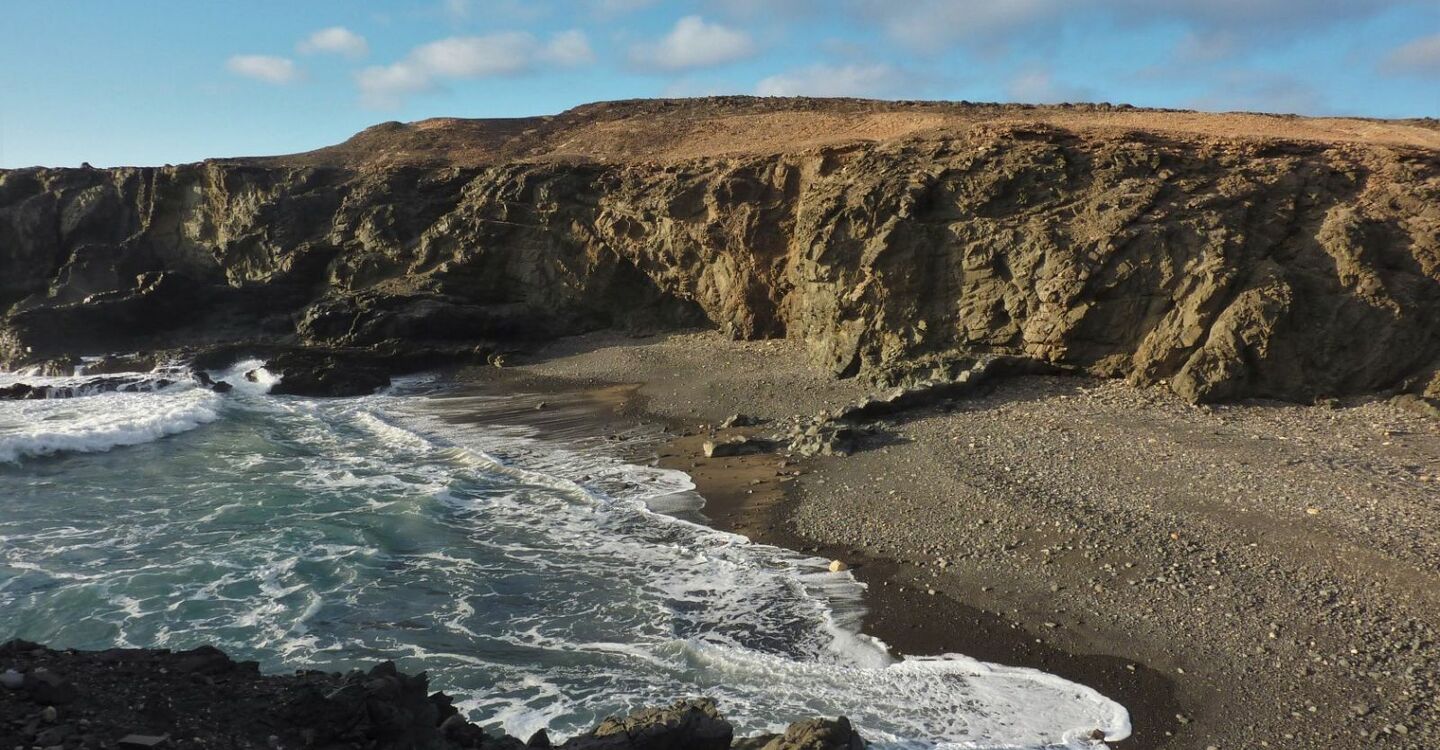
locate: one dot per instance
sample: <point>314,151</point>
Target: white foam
<point>732,586</point>
<point>678,608</point>
<point>239,374</point>
<point>102,422</point>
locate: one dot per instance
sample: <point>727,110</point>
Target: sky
<point>151,82</point>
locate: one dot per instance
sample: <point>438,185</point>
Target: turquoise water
<point>548,584</point>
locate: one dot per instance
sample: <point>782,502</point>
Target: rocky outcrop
<point>1227,264</point>
<point>101,698</point>
<point>93,386</point>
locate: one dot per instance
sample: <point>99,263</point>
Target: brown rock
<point>1231,256</point>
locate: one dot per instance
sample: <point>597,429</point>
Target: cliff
<point>1228,255</point>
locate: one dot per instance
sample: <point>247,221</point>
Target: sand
<point>1247,575</point>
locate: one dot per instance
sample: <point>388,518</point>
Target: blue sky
<point>169,81</point>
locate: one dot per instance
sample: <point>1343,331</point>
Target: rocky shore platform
<point>143,699</point>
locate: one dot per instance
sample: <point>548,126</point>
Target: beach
<point>1251,575</point>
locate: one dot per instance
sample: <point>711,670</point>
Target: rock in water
<point>685,725</point>
<point>11,680</point>
<point>812,734</point>
<point>321,373</point>
<point>838,566</point>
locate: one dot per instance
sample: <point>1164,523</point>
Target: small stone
<point>837,566</point>
<point>11,680</point>
<point>49,715</point>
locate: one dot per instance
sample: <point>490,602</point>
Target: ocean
<point>548,582</point>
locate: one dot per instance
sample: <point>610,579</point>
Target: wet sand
<point>1243,576</point>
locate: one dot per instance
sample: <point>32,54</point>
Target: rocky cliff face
<point>1294,264</point>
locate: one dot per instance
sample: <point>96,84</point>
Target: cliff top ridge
<point>675,130</point>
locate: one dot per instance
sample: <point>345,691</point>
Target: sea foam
<point>100,421</point>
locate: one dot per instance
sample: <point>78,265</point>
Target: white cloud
<point>568,48</point>
<point>386,86</point>
<point>504,53</point>
<point>1039,86</point>
<point>263,68</point>
<point>871,81</point>
<point>1421,56</point>
<point>461,57</point>
<point>336,40</point>
<point>694,43</point>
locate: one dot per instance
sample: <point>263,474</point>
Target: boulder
<point>304,372</point>
<point>206,660</point>
<point>685,725</point>
<point>736,446</point>
<point>812,734</point>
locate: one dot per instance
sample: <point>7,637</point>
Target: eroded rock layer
<point>1239,257</point>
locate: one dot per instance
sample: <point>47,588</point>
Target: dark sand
<point>1244,576</point>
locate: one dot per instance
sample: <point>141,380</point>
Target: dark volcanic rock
<point>208,699</point>
<point>812,734</point>
<point>685,725</point>
<point>109,384</point>
<point>111,364</point>
<point>323,373</point>
<point>47,688</point>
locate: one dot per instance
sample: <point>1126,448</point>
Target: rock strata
<point>1227,256</point>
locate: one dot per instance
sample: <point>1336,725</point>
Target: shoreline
<point>753,496</point>
<point>1237,600</point>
